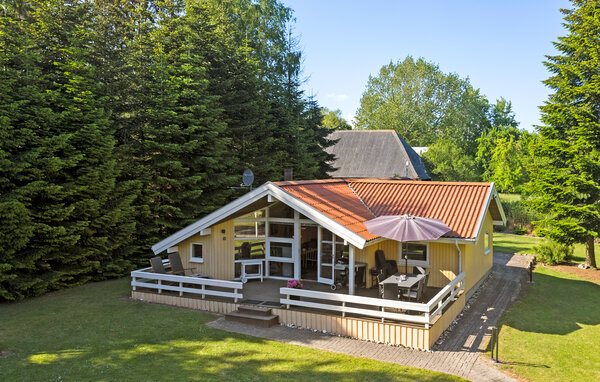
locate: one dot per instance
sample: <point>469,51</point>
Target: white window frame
<point>194,259</point>
<point>415,263</point>
<point>487,245</point>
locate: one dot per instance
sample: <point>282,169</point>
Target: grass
<point>552,334</point>
<point>509,243</point>
<point>510,197</point>
<point>93,332</point>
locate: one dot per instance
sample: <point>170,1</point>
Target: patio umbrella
<point>405,228</point>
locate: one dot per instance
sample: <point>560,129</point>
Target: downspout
<point>459,256</point>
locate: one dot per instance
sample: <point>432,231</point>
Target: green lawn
<point>94,333</point>
<point>509,197</point>
<point>509,243</point>
<point>553,333</point>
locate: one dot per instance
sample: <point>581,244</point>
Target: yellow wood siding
<point>367,254</point>
<point>476,263</point>
<point>443,261</point>
<point>443,257</point>
<point>218,252</point>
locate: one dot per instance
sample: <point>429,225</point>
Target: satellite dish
<point>247,177</point>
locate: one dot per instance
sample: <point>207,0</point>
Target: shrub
<point>520,231</point>
<point>519,216</point>
<point>551,252</point>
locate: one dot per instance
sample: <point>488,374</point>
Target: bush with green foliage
<point>551,252</point>
<point>519,216</point>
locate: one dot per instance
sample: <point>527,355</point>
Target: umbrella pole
<point>405,260</point>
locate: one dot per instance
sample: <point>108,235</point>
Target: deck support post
<point>203,288</point>
<point>288,297</point>
<point>159,284</point>
<point>235,298</point>
<point>351,270</point>
<point>343,305</point>
<point>180,289</point>
<point>133,282</point>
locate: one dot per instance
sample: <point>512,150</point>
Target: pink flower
<point>294,284</point>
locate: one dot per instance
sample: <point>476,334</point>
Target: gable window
<point>488,243</point>
<point>417,254</point>
<point>197,253</point>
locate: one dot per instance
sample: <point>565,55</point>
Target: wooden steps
<point>253,315</point>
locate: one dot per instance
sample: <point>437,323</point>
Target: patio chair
<point>157,265</point>
<point>380,278</point>
<point>388,267</point>
<point>177,267</point>
<point>425,281</point>
<point>391,291</point>
<point>415,293</point>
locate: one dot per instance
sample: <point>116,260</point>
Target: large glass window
<point>285,230</point>
<point>414,252</point>
<point>281,269</point>
<point>249,229</point>
<point>249,249</point>
<point>281,249</point>
<point>281,210</point>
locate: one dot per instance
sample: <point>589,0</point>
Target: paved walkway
<point>459,352</point>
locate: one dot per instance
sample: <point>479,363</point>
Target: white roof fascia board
<point>318,217</point>
<point>449,240</point>
<point>486,206</point>
<point>249,198</point>
<point>499,204</point>
<point>211,218</point>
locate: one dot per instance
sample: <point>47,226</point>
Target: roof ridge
<point>365,131</point>
<point>362,201</point>
<point>415,181</point>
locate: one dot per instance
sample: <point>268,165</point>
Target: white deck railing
<point>145,278</point>
<point>376,307</point>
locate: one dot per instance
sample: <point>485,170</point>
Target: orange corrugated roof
<point>351,202</point>
<point>335,199</point>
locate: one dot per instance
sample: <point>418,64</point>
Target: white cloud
<point>337,97</point>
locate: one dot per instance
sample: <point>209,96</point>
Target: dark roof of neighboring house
<point>374,154</point>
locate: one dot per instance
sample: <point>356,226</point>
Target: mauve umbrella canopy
<point>407,228</point>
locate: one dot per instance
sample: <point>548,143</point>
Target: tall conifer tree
<point>565,183</point>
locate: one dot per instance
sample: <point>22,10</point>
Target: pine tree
<point>565,181</point>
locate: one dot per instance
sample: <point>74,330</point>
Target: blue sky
<point>499,45</point>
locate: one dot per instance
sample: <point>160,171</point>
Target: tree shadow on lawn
<point>556,305</point>
<point>216,355</point>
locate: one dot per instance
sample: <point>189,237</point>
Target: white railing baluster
<point>375,307</point>
<point>144,278</point>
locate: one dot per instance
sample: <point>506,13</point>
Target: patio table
<point>411,280</point>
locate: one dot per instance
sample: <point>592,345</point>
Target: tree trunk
<point>590,254</point>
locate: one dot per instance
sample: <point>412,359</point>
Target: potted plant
<point>295,284</point>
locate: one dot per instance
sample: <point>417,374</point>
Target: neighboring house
<point>374,154</point>
<point>302,229</point>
